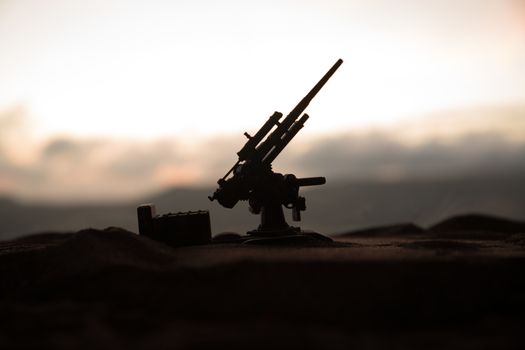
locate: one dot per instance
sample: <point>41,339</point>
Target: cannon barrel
<point>301,106</point>
<point>257,155</point>
<point>311,181</point>
<point>274,138</point>
<point>286,138</point>
<point>249,148</point>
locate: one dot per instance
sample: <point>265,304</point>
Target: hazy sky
<point>137,73</point>
<point>150,68</point>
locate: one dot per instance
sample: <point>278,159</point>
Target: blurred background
<point>106,104</point>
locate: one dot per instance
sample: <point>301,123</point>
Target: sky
<point>114,98</point>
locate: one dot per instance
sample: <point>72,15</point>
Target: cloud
<point>13,123</point>
<point>378,157</point>
<point>61,147</point>
<point>110,169</point>
<point>92,169</point>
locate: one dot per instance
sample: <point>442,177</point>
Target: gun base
<point>274,230</point>
<point>272,221</point>
<point>288,231</point>
<point>295,236</point>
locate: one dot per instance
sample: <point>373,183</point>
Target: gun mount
<point>251,178</point>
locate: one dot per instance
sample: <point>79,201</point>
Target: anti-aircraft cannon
<point>251,178</point>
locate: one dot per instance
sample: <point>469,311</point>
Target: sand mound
<point>113,289</point>
<point>34,263</point>
<point>441,246</point>
<point>115,245</point>
<point>397,230</point>
<point>477,226</point>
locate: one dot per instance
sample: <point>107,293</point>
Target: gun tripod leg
<point>274,230</point>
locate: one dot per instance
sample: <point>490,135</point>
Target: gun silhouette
<point>252,177</point>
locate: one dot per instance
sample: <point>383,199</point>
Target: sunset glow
<point>136,72</point>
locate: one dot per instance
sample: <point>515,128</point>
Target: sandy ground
<point>392,287</point>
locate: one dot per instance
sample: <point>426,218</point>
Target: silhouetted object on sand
<point>178,229</point>
<point>254,180</point>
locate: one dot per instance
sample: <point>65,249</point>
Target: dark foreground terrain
<point>458,284</point>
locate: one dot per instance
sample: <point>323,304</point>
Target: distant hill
<point>334,208</point>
